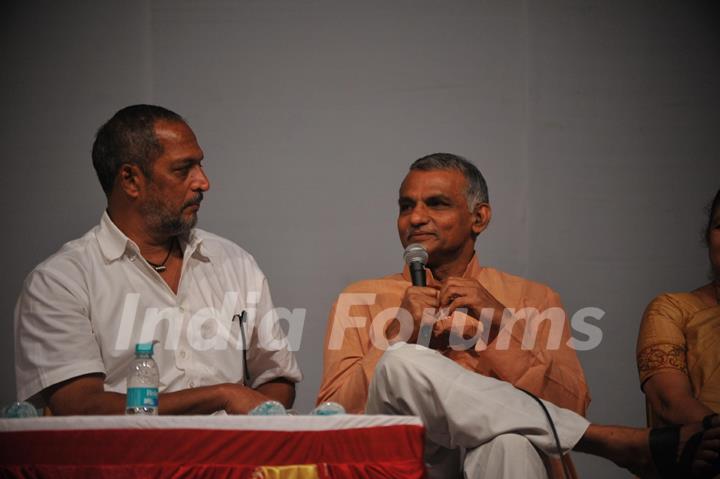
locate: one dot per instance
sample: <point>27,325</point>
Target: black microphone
<point>416,257</point>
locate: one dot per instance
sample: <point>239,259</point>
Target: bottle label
<point>142,397</point>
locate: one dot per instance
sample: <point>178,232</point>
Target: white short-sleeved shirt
<point>83,310</point>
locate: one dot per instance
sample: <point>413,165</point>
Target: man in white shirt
<point>145,273</point>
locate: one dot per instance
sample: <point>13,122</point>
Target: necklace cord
<point>161,267</point>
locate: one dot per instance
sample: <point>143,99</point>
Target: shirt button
<point>183,354</point>
<point>132,257</point>
<point>192,384</point>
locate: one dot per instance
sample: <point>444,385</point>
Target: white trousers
<point>495,426</point>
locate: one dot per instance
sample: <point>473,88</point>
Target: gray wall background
<point>595,123</point>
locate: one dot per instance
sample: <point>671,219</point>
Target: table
<point>257,447</point>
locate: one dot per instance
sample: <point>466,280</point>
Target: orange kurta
<point>549,370</point>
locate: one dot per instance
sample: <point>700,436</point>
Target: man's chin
<point>430,246</point>
<point>426,243</point>
<point>189,223</point>
<point>181,226</point>
<point>425,240</point>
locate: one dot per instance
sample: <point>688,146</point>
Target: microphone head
<point>415,253</point>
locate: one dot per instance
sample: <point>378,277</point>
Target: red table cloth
<point>253,447</point>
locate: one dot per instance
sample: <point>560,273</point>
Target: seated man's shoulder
<point>378,285</point>
<point>71,259</point>
<point>517,287</point>
<point>60,281</point>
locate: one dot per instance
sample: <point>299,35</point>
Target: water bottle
<point>143,382</point>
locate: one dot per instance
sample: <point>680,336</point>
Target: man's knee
<point>396,371</point>
<point>398,362</point>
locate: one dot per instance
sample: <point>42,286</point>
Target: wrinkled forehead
<point>425,182</point>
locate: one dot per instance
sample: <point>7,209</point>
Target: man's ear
<point>131,180</point>
<point>482,214</point>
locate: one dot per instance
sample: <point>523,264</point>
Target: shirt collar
<point>193,244</point>
<point>113,242</point>
<point>472,269</point>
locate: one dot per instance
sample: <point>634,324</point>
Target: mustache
<point>195,201</point>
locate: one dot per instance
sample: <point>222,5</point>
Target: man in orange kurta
<point>489,322</point>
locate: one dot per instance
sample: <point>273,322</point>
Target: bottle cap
<point>145,348</point>
<point>328,408</point>
<point>268,408</point>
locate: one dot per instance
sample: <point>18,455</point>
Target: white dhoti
<point>492,428</point>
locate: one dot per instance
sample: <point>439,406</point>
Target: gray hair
<point>477,190</point>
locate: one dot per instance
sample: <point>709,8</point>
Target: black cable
<point>554,431</point>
